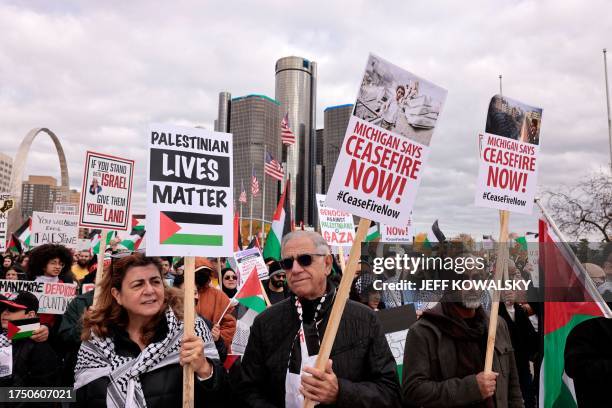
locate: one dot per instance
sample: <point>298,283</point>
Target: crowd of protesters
<point>129,349</point>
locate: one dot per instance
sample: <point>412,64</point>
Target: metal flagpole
<point>608,105</point>
<point>263,197</point>
<point>500,85</point>
<point>251,216</point>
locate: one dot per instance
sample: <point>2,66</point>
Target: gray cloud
<point>98,73</point>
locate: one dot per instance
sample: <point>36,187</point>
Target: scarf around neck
<point>98,358</point>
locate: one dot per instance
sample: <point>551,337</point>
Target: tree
<point>584,209</point>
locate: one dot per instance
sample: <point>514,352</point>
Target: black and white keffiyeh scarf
<point>97,358</point>
<point>4,340</point>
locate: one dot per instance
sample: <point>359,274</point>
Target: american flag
<point>272,168</point>
<point>287,136</point>
<point>254,185</point>
<point>242,198</point>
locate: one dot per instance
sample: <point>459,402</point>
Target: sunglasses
<point>229,277</point>
<point>303,260</point>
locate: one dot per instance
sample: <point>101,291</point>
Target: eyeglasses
<point>229,277</point>
<point>303,260</point>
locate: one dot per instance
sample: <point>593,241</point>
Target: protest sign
<point>53,298</point>
<point>386,144</point>
<point>106,193</point>
<point>189,192</point>
<point>65,208</point>
<point>6,204</point>
<point>390,233</point>
<point>337,226</point>
<point>50,228</point>
<point>247,260</point>
<point>507,176</point>
<point>395,323</point>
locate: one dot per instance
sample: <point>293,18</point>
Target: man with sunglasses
<point>275,287</point>
<point>277,367</point>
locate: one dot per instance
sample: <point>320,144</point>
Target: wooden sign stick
<point>341,256</point>
<point>500,265</point>
<point>341,298</point>
<point>100,266</point>
<point>189,325</point>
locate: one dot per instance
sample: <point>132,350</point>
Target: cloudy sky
<point>97,73</point>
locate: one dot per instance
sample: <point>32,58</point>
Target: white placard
<point>6,205</point>
<point>189,192</point>
<point>53,298</point>
<point>386,144</point>
<point>391,233</point>
<point>337,226</point>
<point>65,208</point>
<point>247,260</point>
<point>51,228</point>
<point>107,192</point>
<point>508,171</point>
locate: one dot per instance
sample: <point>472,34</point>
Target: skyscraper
<point>39,193</point>
<point>296,84</point>
<point>6,168</point>
<point>254,121</point>
<point>335,119</point>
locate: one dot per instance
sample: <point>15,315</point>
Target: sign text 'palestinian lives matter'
<point>189,192</point>
<point>386,144</point>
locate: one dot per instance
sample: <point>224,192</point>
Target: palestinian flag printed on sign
<point>251,296</point>
<point>561,269</point>
<point>396,323</point>
<point>182,228</point>
<point>22,329</point>
<point>281,225</point>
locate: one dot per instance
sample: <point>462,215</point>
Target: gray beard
<point>471,304</point>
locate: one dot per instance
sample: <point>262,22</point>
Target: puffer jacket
<point>362,360</point>
<point>163,387</point>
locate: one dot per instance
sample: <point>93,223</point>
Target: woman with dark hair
<point>134,343</point>
<point>50,263</point>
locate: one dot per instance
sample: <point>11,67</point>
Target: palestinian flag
<point>132,243</point>
<point>20,239</point>
<point>522,241</point>
<point>281,225</point>
<point>430,237</point>
<point>94,239</point>
<point>23,328</point>
<point>251,296</point>
<point>186,228</point>
<point>373,232</point>
<point>562,274</point>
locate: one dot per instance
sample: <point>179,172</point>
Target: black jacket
<point>163,388</point>
<point>34,365</point>
<point>362,360</point>
<point>588,361</point>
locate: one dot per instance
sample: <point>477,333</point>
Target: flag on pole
<point>132,243</point>
<point>373,232</point>
<point>281,225</point>
<point>287,136</point>
<point>20,239</point>
<point>94,239</point>
<point>522,241</point>
<point>254,184</point>
<point>243,197</point>
<point>273,168</point>
<point>251,296</point>
<point>561,269</point>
